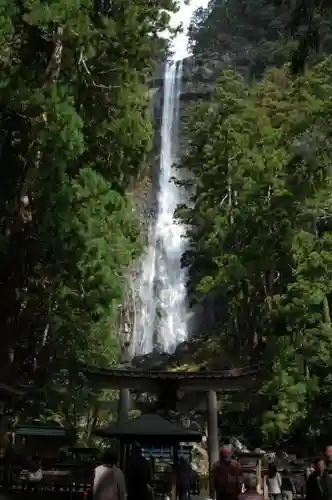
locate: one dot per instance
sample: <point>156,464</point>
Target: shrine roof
<point>36,428</point>
<point>149,427</point>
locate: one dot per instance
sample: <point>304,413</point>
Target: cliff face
<point>198,77</point>
<point>143,195</point>
<point>197,84</point>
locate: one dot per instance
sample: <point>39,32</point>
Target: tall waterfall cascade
<point>162,322</point>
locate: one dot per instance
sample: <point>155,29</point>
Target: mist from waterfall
<point>162,323</point>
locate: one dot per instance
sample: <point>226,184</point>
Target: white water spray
<point>163,320</point>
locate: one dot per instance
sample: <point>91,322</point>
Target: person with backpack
<point>138,476</point>
<point>273,483</point>
<point>226,476</point>
<point>109,482</point>
<point>288,489</point>
<point>184,479</point>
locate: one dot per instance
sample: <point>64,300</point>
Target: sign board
<point>166,452</point>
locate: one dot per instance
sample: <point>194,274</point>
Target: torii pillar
<point>124,404</point>
<point>213,435</point>
<point>124,393</point>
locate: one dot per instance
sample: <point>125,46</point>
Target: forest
<point>75,140</point>
<point>75,144</point>
<point>260,254</point>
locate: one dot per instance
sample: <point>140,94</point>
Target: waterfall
<point>162,291</point>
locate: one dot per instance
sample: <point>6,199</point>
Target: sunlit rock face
<point>196,84</point>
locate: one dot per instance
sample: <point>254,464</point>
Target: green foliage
<point>259,184</point>
<point>75,137</point>
<point>247,36</point>
<point>252,36</point>
<point>310,25</point>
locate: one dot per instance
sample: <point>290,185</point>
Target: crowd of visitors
<point>229,483</point>
<point>110,483</point>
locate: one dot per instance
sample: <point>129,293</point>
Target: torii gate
<point>169,386</point>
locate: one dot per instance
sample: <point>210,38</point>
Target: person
<point>273,483</point>
<point>184,479</point>
<point>288,489</point>
<point>308,471</point>
<point>250,484</point>
<point>328,459</point>
<point>226,476</point>
<point>109,482</point>
<point>319,484</point>
<point>34,471</point>
<point>138,476</point>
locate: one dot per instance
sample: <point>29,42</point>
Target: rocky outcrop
<point>197,354</point>
<point>157,360</point>
<point>198,77</point>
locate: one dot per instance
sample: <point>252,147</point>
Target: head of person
<point>225,453</point>
<point>272,470</point>
<point>285,472</point>
<point>110,458</point>
<point>319,465</point>
<point>328,457</point>
<point>250,482</point>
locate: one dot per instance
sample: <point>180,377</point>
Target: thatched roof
<point>150,427</point>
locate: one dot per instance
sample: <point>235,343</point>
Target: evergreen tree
<point>310,25</point>
<point>253,36</point>
<point>242,35</point>
<point>259,184</point>
<point>75,135</point>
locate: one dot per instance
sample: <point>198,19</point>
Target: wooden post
<point>123,410</point>
<point>175,464</point>
<point>260,485</point>
<point>124,394</point>
<point>124,405</point>
<point>213,435</point>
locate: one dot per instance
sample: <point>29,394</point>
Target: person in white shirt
<point>109,482</point>
<point>273,483</point>
<point>35,471</point>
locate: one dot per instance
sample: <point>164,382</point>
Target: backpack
<point>287,484</point>
<point>226,477</point>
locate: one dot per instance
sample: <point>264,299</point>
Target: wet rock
<point>158,359</point>
<point>183,349</point>
<point>155,360</point>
